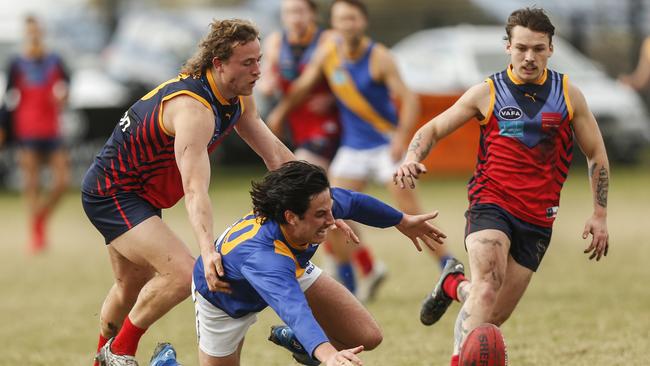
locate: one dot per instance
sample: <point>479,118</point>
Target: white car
<point>449,60</point>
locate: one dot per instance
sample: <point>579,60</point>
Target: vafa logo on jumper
<point>510,113</point>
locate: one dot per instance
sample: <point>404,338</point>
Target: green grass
<point>576,312</point>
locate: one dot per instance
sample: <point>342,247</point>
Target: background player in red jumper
<point>37,90</point>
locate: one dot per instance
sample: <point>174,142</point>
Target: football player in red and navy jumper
<point>157,154</point>
<point>529,117</point>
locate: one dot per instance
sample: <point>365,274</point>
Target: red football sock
<point>126,342</point>
<point>454,360</point>
<point>100,344</point>
<point>364,259</point>
<point>450,285</point>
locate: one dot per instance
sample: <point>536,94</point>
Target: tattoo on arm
<point>417,148</point>
<point>602,187</point>
<point>460,330</point>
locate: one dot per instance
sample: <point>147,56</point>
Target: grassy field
<point>576,312</point>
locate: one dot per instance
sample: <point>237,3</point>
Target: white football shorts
<point>368,164</point>
<point>218,333</point>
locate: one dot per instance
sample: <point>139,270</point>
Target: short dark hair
<point>290,187</point>
<point>355,3</point>
<point>534,19</point>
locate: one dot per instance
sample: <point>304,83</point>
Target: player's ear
<point>290,217</point>
<point>217,63</point>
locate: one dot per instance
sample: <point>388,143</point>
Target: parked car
<point>449,60</point>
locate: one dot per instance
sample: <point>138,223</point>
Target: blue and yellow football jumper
<point>367,112</point>
<point>262,268</point>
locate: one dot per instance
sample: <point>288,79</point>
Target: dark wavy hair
<point>290,187</point>
<point>223,37</point>
<point>534,19</point>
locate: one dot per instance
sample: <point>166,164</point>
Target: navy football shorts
<point>42,146</point>
<point>528,242</point>
<point>115,214</point>
<point>323,146</point>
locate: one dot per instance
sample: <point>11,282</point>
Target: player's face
<point>317,220</point>
<point>242,69</point>
<point>348,21</point>
<point>297,16</point>
<point>33,33</point>
<point>529,52</point>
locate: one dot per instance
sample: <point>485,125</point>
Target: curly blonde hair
<point>223,37</point>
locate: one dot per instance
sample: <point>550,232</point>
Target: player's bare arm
<point>257,135</point>
<point>640,77</point>
<point>383,65</point>
<point>591,142</point>
<point>190,148</point>
<point>268,83</point>
<point>473,103</point>
<point>300,88</point>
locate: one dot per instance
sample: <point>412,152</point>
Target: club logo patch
<point>511,128</point>
<point>510,113</point>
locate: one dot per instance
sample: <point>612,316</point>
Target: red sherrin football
<point>484,346</point>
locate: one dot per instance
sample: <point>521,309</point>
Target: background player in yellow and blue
<point>529,117</point>
<point>363,77</point>
<point>158,153</point>
<point>37,91</point>
<point>266,257</point>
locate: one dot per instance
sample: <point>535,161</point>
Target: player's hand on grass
<point>346,357</point>
<point>213,270</point>
<point>417,227</point>
<point>596,225</point>
<point>347,231</point>
<point>408,173</point>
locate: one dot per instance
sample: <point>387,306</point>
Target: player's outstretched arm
<point>370,211</point>
<point>591,142</point>
<point>418,228</point>
<point>300,88</point>
<point>474,103</point>
<point>257,135</point>
<point>194,165</point>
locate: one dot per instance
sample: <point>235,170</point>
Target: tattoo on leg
<point>493,242</point>
<point>460,330</point>
<point>602,186</point>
